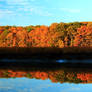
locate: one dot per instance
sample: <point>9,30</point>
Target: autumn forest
<point>76,34</point>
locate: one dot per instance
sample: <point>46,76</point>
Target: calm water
<point>29,77</point>
<point>47,60</point>
<point>34,85</point>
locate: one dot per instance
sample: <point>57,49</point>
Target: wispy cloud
<point>16,1</point>
<point>1,0</point>
<point>17,8</point>
<point>19,2</point>
<point>26,7</point>
<point>32,9</point>
<point>40,11</point>
<point>6,11</point>
<point>70,10</point>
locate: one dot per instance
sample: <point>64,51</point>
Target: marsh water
<point>33,75</point>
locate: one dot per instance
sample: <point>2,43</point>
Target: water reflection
<point>57,74</point>
<point>34,85</point>
<point>75,61</point>
<point>44,60</point>
<point>26,76</point>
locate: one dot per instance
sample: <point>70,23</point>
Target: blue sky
<point>44,12</point>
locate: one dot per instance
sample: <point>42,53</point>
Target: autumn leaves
<point>56,35</point>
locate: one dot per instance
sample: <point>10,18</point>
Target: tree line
<point>76,34</point>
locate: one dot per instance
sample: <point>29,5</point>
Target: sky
<point>44,12</point>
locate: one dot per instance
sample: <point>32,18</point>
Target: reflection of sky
<point>33,85</point>
<point>74,61</point>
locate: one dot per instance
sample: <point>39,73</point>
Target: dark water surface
<point>48,60</point>
<point>44,75</point>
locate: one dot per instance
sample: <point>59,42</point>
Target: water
<point>75,61</point>
<point>54,76</point>
<point>34,85</point>
<point>48,60</point>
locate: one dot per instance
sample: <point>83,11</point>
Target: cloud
<point>18,7</point>
<point>6,11</point>
<point>1,0</point>
<point>18,2</point>
<point>70,10</point>
<point>32,9</point>
<point>39,11</point>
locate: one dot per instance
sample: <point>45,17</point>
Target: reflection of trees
<point>85,77</point>
<point>59,75</point>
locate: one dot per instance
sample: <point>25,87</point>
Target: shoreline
<point>49,53</point>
